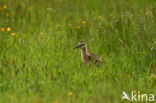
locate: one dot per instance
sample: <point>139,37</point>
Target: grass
<point>39,65</point>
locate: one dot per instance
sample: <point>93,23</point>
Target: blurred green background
<point>39,65</point>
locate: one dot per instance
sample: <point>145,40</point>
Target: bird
<point>85,55</point>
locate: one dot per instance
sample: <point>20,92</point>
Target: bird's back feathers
<point>95,57</point>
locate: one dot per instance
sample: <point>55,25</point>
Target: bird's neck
<point>84,52</point>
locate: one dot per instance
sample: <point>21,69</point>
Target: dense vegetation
<point>39,65</point>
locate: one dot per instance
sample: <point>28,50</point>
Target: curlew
<point>85,55</point>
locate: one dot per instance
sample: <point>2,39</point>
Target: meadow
<point>38,62</point>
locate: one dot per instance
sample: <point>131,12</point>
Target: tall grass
<point>38,63</point>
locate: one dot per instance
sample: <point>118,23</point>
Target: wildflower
<point>78,27</point>
<point>70,93</point>
<point>13,34</point>
<point>2,29</point>
<point>5,6</point>
<point>148,13</point>
<point>134,91</point>
<point>8,29</point>
<point>7,14</point>
<point>28,9</point>
<point>41,33</point>
<point>56,101</point>
<point>84,22</point>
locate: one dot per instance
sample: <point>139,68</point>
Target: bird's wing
<point>95,57</point>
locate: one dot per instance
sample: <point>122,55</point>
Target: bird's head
<point>81,45</point>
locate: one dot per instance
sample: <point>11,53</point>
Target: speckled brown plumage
<point>86,56</point>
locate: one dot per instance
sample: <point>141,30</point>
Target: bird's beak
<point>77,46</point>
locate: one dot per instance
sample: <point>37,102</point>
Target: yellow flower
<point>8,29</point>
<point>7,14</point>
<point>28,8</point>
<point>78,27</point>
<point>41,33</point>
<point>56,101</point>
<point>148,13</point>
<point>134,91</point>
<point>2,29</point>
<point>70,93</point>
<point>5,6</point>
<point>84,22</point>
<point>13,34</point>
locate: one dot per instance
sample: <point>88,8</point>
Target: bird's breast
<point>85,57</point>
